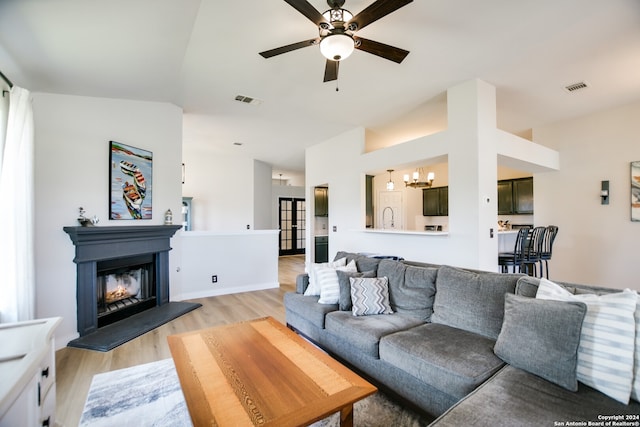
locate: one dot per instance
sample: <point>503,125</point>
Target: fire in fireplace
<point>124,286</point>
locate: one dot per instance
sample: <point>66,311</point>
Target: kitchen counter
<point>411,232</point>
<point>507,240</point>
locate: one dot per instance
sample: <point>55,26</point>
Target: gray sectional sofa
<point>443,349</point>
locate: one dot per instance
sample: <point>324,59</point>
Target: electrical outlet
<point>214,278</point>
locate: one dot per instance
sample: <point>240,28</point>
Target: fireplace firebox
<point>121,271</point>
<point>126,286</point>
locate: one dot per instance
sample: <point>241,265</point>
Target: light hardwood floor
<point>76,367</point>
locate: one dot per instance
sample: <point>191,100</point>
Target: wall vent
<point>248,100</point>
<point>575,87</point>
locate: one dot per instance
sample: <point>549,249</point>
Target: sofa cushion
<point>514,397</point>
<point>472,301</point>
<point>411,289</point>
<point>364,332</point>
<point>607,341</point>
<point>308,308</point>
<point>449,359</point>
<point>345,286</point>
<point>531,338</point>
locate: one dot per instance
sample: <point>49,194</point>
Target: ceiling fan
<point>337,28</point>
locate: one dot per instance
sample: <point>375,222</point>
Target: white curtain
<point>17,272</point>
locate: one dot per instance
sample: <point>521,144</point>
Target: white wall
<point>596,243</point>
<point>243,261</point>
<point>262,198</point>
<point>346,180</point>
<point>342,163</point>
<point>72,137</point>
<point>222,189</point>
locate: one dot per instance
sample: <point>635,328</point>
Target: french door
<point>292,226</point>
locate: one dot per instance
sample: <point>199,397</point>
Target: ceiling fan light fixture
<point>337,15</point>
<point>337,46</point>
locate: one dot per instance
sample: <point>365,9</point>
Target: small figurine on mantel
<point>87,222</point>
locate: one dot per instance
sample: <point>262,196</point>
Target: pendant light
<point>390,184</point>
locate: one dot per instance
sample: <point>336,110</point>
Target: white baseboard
<point>225,291</point>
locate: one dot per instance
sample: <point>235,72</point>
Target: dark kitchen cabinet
<point>515,196</point>
<point>369,201</point>
<point>322,249</point>
<point>505,197</point>
<point>321,201</point>
<point>523,196</point>
<point>435,201</point>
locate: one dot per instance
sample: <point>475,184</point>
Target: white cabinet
<point>28,373</point>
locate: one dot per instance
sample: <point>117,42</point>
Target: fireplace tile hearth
<point>118,333</point>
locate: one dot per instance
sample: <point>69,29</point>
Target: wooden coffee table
<point>261,373</point>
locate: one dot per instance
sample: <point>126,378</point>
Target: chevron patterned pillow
<point>370,296</point>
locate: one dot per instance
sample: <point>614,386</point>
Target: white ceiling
<point>200,54</point>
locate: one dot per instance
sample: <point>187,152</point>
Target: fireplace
<point>121,271</point>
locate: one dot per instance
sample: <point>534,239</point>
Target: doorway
<point>292,214</point>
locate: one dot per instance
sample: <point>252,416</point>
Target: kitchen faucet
<point>383,212</point>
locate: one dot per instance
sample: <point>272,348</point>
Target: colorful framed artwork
<point>635,191</point>
<point>130,190</point>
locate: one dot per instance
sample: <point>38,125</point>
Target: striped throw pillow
<point>327,279</point>
<point>314,284</point>
<point>370,296</point>
<point>606,350</point>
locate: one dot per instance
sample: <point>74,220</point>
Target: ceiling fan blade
<point>289,48</point>
<point>331,70</point>
<point>305,8</point>
<point>382,50</point>
<point>377,10</point>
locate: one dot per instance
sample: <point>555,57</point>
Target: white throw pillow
<point>606,351</point>
<point>370,296</point>
<point>329,283</point>
<point>314,287</point>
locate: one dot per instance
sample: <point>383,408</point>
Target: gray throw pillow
<point>345,286</point>
<point>542,338</point>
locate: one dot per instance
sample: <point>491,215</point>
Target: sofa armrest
<point>302,282</point>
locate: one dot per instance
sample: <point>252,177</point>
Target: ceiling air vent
<point>575,87</point>
<point>248,100</point>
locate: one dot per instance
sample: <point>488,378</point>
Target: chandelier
<point>416,182</point>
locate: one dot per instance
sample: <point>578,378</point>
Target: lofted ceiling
<point>201,54</point>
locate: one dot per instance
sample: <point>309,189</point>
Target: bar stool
<point>515,258</point>
<point>547,247</point>
<point>532,254</point>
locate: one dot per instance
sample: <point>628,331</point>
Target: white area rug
<point>150,395</point>
<point>141,396</point>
